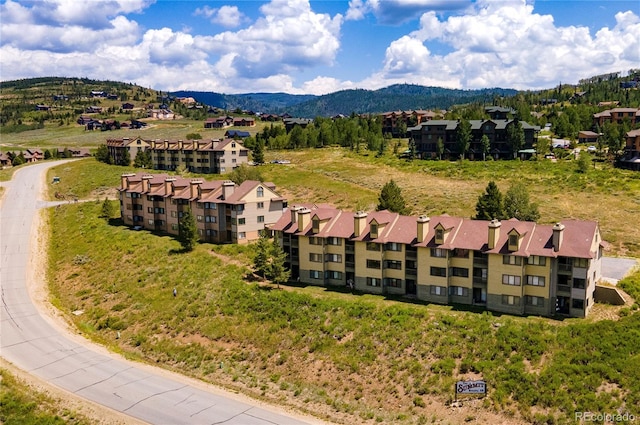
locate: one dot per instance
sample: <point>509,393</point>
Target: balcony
<point>564,288</point>
<point>565,268</point>
<point>479,280</point>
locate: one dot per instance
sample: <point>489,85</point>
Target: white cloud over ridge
<point>491,44</point>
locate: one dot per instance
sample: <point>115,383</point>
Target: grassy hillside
<point>350,358</point>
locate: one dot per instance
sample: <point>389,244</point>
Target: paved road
<point>33,344</point>
<point>614,269</point>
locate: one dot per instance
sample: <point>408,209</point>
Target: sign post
<point>470,387</point>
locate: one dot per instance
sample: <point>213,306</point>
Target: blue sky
<point>317,47</point>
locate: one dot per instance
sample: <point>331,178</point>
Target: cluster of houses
<point>510,266</point>
<point>211,156</point>
<point>35,155</point>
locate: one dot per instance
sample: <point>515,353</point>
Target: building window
<point>508,279</point>
<point>315,258</point>
<point>461,253</point>
<point>315,241</point>
<point>581,263</point>
<point>334,241</point>
<point>150,210</point>
<point>513,242</point>
<point>535,280</point>
<point>392,246</point>
<point>439,236</point>
<point>200,205</point>
<point>174,226</point>
<point>315,274</point>
<point>373,281</point>
<point>579,304</point>
<point>510,300</point>
<point>372,246</point>
<point>579,283</point>
<point>242,235</point>
<point>439,271</point>
<point>393,283</point>
<point>174,214</point>
<point>373,264</point>
<point>536,260</point>
<point>410,264</point>
<point>331,274</point>
<point>241,221</point>
<point>260,219</point>
<point>393,264</point>
<point>374,230</point>
<point>209,219</point>
<point>150,222</point>
<point>534,301</point>
<point>333,258</point>
<point>315,224</point>
<point>458,291</point>
<point>260,192</point>
<point>438,252</point>
<point>260,205</point>
<point>437,290</point>
<point>512,260</point>
<point>459,271</point>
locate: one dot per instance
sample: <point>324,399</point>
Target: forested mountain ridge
<point>360,101</point>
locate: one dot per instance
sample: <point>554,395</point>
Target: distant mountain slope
<point>396,97</point>
<point>257,102</point>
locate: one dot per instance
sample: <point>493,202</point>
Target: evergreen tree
<point>489,204</point>
<point>485,144</point>
<point>277,272</point>
<point>108,210</point>
<point>143,159</point>
<point>18,160</point>
<point>517,204</point>
<point>261,257</point>
<point>258,151</point>
<point>463,137</point>
<point>439,147</point>
<point>584,161</point>
<point>391,199</point>
<point>188,231</point>
<point>47,154</point>
<point>515,136</point>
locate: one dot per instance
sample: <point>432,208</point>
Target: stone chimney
<point>227,189</point>
<point>124,180</point>
<point>494,233</point>
<point>423,228</point>
<point>168,185</point>
<point>359,223</point>
<point>194,184</point>
<point>304,218</point>
<point>145,183</point>
<point>558,230</point>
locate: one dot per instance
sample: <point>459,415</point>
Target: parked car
<point>591,149</point>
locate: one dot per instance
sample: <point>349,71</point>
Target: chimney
<point>423,228</point>
<point>359,222</point>
<point>227,189</point>
<point>558,229</point>
<point>168,187</point>
<point>494,233</point>
<point>194,184</point>
<point>294,213</point>
<point>145,183</point>
<point>124,180</point>
<point>304,218</point>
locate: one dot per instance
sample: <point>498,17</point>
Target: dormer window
<point>260,192</point>
<point>439,235</point>
<point>233,145</point>
<point>514,241</point>
<point>316,225</point>
<point>374,231</point>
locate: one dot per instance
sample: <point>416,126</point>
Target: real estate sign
<point>471,387</point>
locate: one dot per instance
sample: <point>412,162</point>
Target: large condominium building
<point>224,212</point>
<point>510,266</point>
<point>197,156</point>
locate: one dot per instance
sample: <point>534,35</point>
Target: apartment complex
<point>617,115</point>
<point>510,266</point>
<point>427,135</point>
<point>198,156</point>
<point>224,212</point>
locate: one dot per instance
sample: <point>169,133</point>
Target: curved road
<point>34,345</point>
